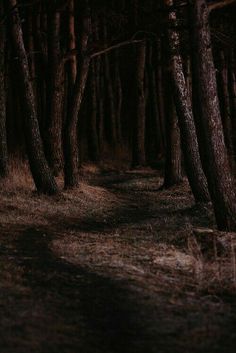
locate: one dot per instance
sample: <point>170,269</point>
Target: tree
<point>193,167</point>
<point>71,152</point>
<point>139,157</point>
<point>208,119</point>
<point>54,152</point>
<point>40,170</point>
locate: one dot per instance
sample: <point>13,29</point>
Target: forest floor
<point>112,267</point>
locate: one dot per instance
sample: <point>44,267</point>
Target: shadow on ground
<point>81,311</point>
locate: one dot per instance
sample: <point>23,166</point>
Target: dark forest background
<point>139,83</point>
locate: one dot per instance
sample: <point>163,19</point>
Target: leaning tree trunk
<point>195,174</point>
<point>3,138</point>
<point>211,137</point>
<point>139,157</point>
<point>71,150</point>
<point>41,173</point>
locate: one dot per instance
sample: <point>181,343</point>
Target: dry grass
<point>121,228</point>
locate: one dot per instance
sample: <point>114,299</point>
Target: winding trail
<point>54,304</point>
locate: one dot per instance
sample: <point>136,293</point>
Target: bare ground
<point>111,268</point>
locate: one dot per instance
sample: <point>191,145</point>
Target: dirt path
<point>117,277</point>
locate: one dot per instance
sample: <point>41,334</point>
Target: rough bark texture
<point>3,138</point>
<point>139,157</point>
<point>193,167</point>
<point>211,137</point>
<point>41,173</point>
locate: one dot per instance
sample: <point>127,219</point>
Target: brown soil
<point>111,268</point>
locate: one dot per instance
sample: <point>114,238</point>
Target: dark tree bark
<point>56,77</point>
<point>72,43</point>
<point>3,138</point>
<point>232,95</point>
<point>173,157</point>
<point>211,137</point>
<point>119,95</point>
<point>139,157</point>
<point>112,133</point>
<point>160,90</point>
<point>41,173</point>
<point>155,116</point>
<point>92,123</point>
<point>225,103</point>
<point>42,66</point>
<point>71,152</point>
<point>100,97</point>
<point>193,167</point>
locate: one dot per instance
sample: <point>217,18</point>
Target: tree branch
<point>116,46</point>
<point>220,4</point>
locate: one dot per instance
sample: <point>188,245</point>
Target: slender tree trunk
<point>112,133</point>
<point>3,138</point>
<point>72,43</point>
<point>225,103</point>
<point>157,133</point>
<point>41,173</point>
<point>42,66</point>
<point>139,157</point>
<point>119,95</point>
<point>211,137</point>
<point>56,71</point>
<point>92,123</point>
<point>160,91</point>
<point>71,152</point>
<point>173,158</point>
<point>193,167</point>
<point>100,97</point>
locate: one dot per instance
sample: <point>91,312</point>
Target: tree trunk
<point>139,157</point>
<point>160,91</point>
<point>155,116</point>
<point>193,167</point>
<point>211,137</point>
<point>112,132</point>
<point>3,138</point>
<point>41,173</point>
<point>173,166</point>
<point>225,103</point>
<point>56,73</point>
<point>92,123</point>
<point>71,151</point>
<point>72,43</point>
<point>119,94</point>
